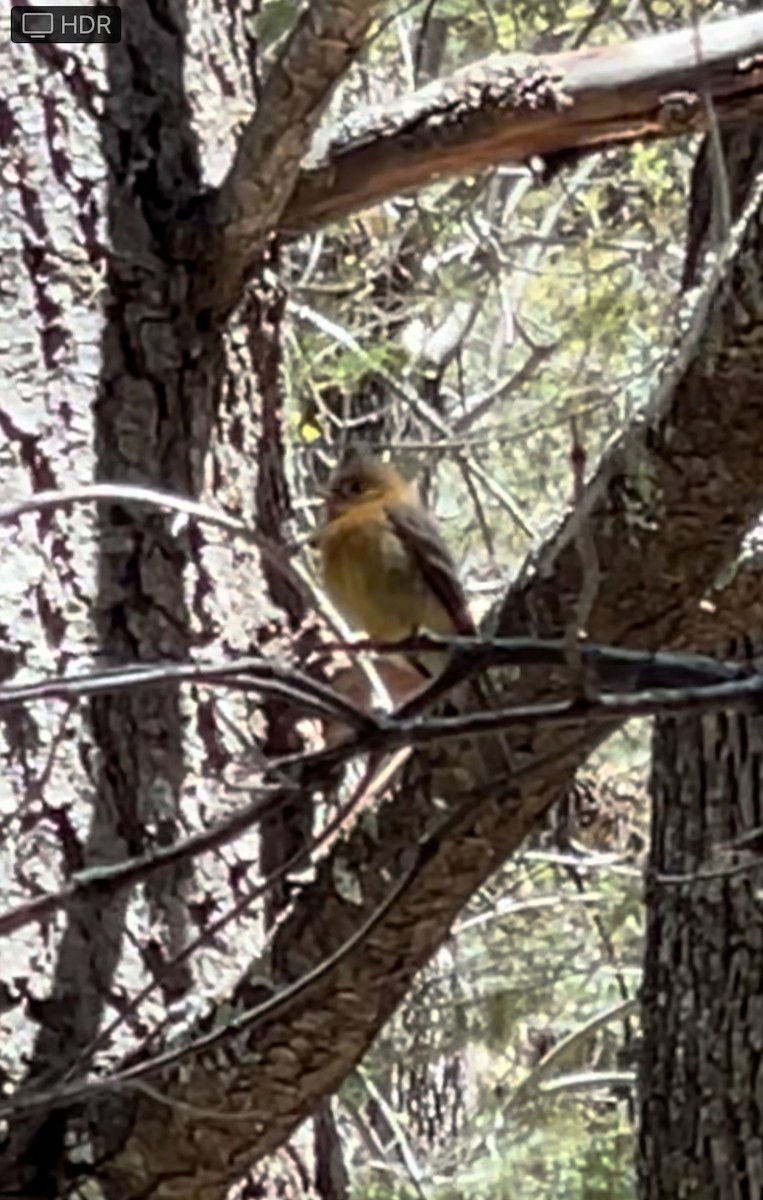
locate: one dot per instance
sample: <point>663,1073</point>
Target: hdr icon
<point>65,23</point>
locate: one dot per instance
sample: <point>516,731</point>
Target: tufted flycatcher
<point>385,564</point>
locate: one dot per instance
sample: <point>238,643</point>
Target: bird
<point>386,566</point>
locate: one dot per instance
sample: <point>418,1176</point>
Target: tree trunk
<point>701,1103</point>
<point>701,1114</point>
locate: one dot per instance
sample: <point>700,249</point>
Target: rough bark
<point>150,416</point>
<point>702,994</point>
<point>699,1080</point>
<point>161,394</point>
<point>287,832</point>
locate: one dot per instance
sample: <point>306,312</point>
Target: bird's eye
<point>354,487</point>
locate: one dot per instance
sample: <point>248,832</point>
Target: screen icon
<point>36,24</point>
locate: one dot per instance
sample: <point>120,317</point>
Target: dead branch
<point>513,108</point>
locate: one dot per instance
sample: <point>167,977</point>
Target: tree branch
<point>248,205</point>
<point>511,108</point>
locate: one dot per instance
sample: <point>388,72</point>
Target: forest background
<point>232,244</point>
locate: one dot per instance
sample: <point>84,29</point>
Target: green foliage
<point>274,20</point>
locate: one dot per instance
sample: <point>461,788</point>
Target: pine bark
<point>700,1081</point>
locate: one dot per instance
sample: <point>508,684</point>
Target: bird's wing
<point>424,543</point>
